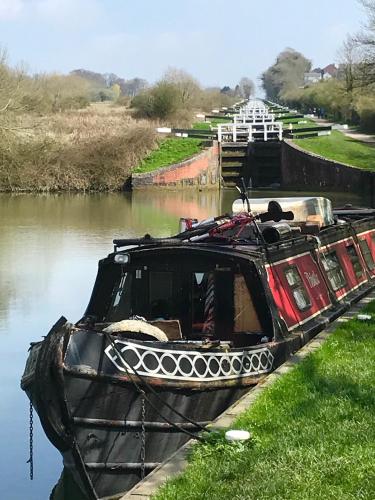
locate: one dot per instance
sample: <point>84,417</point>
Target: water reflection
<point>49,248</point>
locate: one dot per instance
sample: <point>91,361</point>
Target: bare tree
<point>349,57</point>
<point>188,87</point>
<point>12,87</point>
<point>133,87</point>
<point>365,40</point>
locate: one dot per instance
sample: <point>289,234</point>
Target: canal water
<point>49,249</point>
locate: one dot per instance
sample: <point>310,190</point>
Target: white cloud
<point>10,9</point>
<point>68,13</point>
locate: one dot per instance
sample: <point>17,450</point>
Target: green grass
<point>214,122</point>
<point>341,148</point>
<point>313,433</point>
<point>289,117</point>
<point>296,125</point>
<point>171,150</point>
<point>201,126</point>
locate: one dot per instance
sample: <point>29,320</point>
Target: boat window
<point>160,294</point>
<point>295,282</point>
<point>354,259</point>
<point>122,297</point>
<point>366,252</point>
<point>333,269</point>
<point>207,298</point>
<point>199,277</point>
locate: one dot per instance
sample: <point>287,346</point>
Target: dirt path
<point>350,132</point>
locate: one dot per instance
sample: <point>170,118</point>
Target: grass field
<point>202,126</point>
<point>214,122</point>
<point>171,150</point>
<point>313,433</point>
<point>289,117</point>
<point>296,125</point>
<point>341,148</point>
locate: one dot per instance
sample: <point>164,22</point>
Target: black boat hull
<point>111,428</point>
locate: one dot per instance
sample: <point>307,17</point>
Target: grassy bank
<point>214,122</point>
<point>313,432</point>
<point>341,148</point>
<point>171,150</point>
<point>298,123</point>
<point>91,149</point>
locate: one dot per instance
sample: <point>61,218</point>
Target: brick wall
<point>200,171</point>
<point>307,171</point>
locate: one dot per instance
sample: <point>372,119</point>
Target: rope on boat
<point>143,438</point>
<point>151,389</point>
<point>31,442</point>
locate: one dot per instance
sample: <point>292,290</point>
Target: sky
<point>217,41</point>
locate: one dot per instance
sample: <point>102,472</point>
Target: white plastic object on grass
<point>237,435</point>
<point>364,317</point>
<point>164,130</point>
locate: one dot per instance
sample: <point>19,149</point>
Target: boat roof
<point>270,222</point>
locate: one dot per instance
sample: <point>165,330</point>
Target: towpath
<point>349,132</point>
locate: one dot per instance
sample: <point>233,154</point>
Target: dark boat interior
<point>188,295</point>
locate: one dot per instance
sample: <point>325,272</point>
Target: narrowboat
<point>179,328</point>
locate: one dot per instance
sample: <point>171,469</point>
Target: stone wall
<point>302,170</point>
<point>200,171</point>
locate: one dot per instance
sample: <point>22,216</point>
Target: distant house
<point>317,74</point>
<point>312,77</point>
<point>330,71</point>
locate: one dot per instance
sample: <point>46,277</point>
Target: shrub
<point>365,107</point>
<point>162,101</point>
<point>165,100</point>
<point>143,105</point>
<point>329,96</point>
<point>123,100</point>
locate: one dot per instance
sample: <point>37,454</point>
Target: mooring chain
<point>143,437</point>
<point>31,441</point>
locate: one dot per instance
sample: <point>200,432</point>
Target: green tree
<point>116,91</point>
<point>286,74</point>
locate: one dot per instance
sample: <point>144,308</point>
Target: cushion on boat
<point>136,326</point>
